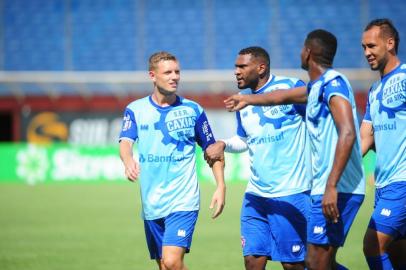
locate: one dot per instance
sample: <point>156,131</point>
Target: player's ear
<point>390,44</point>
<point>151,74</point>
<point>262,69</point>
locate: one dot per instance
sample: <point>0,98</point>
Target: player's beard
<point>166,92</point>
<point>380,65</point>
<point>304,66</point>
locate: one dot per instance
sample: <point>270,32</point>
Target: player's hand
<point>329,204</point>
<point>235,103</point>
<point>214,152</point>
<point>132,170</point>
<point>218,201</point>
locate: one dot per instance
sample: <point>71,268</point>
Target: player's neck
<point>163,100</point>
<point>392,63</point>
<point>261,82</point>
<point>315,71</point>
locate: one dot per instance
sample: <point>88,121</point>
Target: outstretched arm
<point>367,137</point>
<point>219,197</point>
<point>215,151</point>
<point>278,97</point>
<point>132,168</point>
<point>344,121</point>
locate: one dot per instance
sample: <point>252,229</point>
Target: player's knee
<point>309,263</point>
<point>371,245</point>
<point>254,263</point>
<point>293,266</point>
<point>312,263</point>
<point>172,263</point>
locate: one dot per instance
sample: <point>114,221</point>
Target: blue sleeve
<point>300,83</point>
<point>336,87</point>
<point>129,127</point>
<point>204,135</point>
<point>240,129</point>
<point>300,108</point>
<point>367,116</point>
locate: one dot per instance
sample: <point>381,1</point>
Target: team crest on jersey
<point>392,96</point>
<point>177,127</point>
<point>275,115</point>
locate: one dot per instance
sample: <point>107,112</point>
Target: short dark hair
<point>323,45</point>
<point>387,28</point>
<point>257,52</point>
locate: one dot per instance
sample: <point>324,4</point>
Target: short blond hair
<point>157,57</point>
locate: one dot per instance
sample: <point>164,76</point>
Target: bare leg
<point>376,243</point>
<point>293,266</point>
<point>397,251</point>
<point>172,258</point>
<point>320,257</point>
<point>160,264</point>
<point>255,262</point>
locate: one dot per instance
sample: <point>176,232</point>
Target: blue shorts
<point>389,216</point>
<point>174,230</point>
<point>275,227</point>
<point>323,232</point>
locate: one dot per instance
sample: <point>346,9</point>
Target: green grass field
<point>66,226</point>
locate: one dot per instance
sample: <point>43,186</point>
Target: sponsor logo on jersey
<point>206,131</point>
<point>335,83</point>
<point>126,122</point>
<point>386,126</point>
<point>267,139</point>
<point>158,158</point>
<point>144,127</point>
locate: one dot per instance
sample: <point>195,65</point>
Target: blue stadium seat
<point>121,34</point>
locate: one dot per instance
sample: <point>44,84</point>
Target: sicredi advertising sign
<point>63,163</point>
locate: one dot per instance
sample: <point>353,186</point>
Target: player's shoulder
<point>331,75</point>
<point>285,82</point>
<point>245,92</point>
<point>278,78</point>
<point>335,79</point>
<point>190,103</point>
<point>398,71</point>
<point>139,103</point>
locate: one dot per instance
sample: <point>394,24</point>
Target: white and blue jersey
<point>167,139</point>
<point>276,139</point>
<point>386,111</point>
<point>323,135</point>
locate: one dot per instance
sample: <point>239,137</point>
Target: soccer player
<point>277,199</point>
<point>338,183</point>
<point>384,130</point>
<point>167,128</point>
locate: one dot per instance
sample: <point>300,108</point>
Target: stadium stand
<point>112,37</point>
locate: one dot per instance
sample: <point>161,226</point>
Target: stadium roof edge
<point>87,83</point>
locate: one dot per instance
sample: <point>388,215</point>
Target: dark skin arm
<point>343,118</point>
<point>296,95</point>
